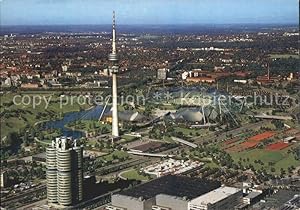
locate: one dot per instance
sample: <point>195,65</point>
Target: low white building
<point>171,166</point>
<point>242,81</point>
<point>220,198</point>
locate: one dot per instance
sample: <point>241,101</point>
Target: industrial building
<point>168,192</point>
<point>252,197</point>
<point>64,172</point>
<point>170,202</point>
<point>221,198</point>
<point>281,199</point>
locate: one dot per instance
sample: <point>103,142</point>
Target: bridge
<point>149,154</point>
<point>273,117</point>
<point>190,144</point>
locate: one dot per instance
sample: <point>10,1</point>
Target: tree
<point>13,141</point>
<point>278,124</point>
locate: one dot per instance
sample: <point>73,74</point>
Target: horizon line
<point>150,24</point>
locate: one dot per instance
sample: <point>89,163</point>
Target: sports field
<point>271,159</point>
<point>277,146</point>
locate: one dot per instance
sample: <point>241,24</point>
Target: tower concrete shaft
<point>115,126</point>
<point>114,70</point>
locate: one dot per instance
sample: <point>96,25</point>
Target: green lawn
<point>134,175</point>
<point>90,126</point>
<point>284,56</point>
<point>281,159</point>
<point>128,138</point>
<point>51,134</point>
<point>16,117</point>
<point>115,155</point>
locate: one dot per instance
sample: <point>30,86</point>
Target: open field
<point>192,132</point>
<point>90,126</point>
<point>15,117</point>
<point>115,155</point>
<point>283,56</point>
<point>127,138</point>
<point>262,136</point>
<point>133,175</point>
<point>238,145</point>
<point>50,134</point>
<point>279,159</point>
<point>277,146</point>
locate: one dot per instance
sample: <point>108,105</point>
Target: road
<point>23,197</point>
<point>134,161</point>
<point>233,132</point>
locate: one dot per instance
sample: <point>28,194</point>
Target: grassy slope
<point>133,174</point>
<point>15,123</point>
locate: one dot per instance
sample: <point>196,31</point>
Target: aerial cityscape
<point>150,105</point>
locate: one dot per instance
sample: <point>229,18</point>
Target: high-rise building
<point>64,172</point>
<point>114,69</point>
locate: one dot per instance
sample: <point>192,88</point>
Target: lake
<point>91,114</point>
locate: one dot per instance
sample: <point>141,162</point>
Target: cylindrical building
<point>64,160</point>
<point>78,153</point>
<point>64,172</point>
<point>51,158</point>
<point>51,175</point>
<point>64,176</point>
<point>64,185</point>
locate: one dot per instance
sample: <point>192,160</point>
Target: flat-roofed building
<point>171,202</point>
<point>221,198</point>
<point>156,207</point>
<point>251,197</point>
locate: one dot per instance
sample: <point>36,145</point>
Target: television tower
<point>114,68</point>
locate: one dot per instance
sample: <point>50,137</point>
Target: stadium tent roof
<point>130,116</point>
<point>191,115</point>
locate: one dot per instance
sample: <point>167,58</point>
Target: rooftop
<point>215,195</point>
<point>179,186</point>
<point>277,200</point>
<point>253,194</point>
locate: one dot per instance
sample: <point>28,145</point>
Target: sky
<point>57,12</point>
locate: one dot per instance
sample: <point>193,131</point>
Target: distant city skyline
<point>64,12</point>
